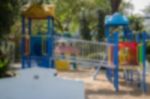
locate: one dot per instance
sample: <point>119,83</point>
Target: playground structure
<point>39,49</point>
<point>128,54</point>
<point>113,54</point>
<point>32,45</point>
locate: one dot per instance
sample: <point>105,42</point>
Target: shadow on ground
<point>134,91</point>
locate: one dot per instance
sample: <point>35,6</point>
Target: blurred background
<point>79,19</point>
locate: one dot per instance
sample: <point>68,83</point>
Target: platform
<point>38,84</point>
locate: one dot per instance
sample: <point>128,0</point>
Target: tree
<point>100,26</point>
<point>126,8</point>
<point>147,17</point>
<point>84,26</point>
<point>147,24</point>
<point>69,13</point>
<point>136,23</point>
<point>147,10</point>
<point>115,5</point>
<point>8,15</point>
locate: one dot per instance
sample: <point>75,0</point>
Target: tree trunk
<point>115,5</point>
<point>100,25</point>
<point>84,27</point>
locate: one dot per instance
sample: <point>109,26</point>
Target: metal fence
<point>82,52</point>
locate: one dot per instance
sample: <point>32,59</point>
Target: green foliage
<point>147,9</point>
<point>4,62</point>
<point>136,23</point>
<point>3,65</point>
<point>9,12</point>
<point>84,28</point>
<point>126,8</point>
<point>70,14</point>
<point>8,15</point>
<point>148,48</point>
<point>148,51</point>
<point>147,20</point>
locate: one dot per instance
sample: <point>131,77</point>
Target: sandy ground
<point>101,88</point>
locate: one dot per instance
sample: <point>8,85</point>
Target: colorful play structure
<point>32,45</point>
<point>126,55</point>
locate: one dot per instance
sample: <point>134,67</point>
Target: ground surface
<point>102,89</point>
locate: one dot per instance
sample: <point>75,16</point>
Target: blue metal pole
<point>50,41</point>
<point>144,63</point>
<point>49,26</point>
<point>109,73</point>
<point>131,76</point>
<point>108,70</point>
<point>30,33</point>
<point>22,42</point>
<point>107,32</point>
<point>116,62</point>
<point>127,33</point>
<point>137,38</point>
<point>53,44</point>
